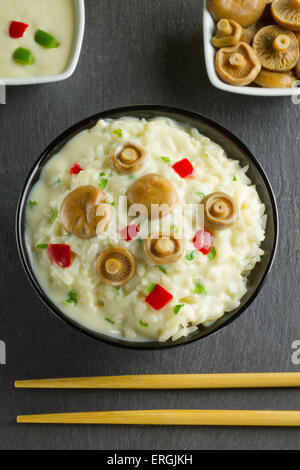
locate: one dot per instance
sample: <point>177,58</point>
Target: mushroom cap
<point>287,13</point>
<point>268,79</point>
<point>297,69</point>
<point>276,48</point>
<point>237,65</point>
<point>78,212</point>
<point>220,211</point>
<point>248,34</point>
<point>116,266</point>
<point>153,189</point>
<point>163,248</point>
<point>128,157</point>
<point>229,33</point>
<point>244,12</point>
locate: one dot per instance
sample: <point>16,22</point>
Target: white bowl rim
<point>74,56</point>
<point>209,54</point>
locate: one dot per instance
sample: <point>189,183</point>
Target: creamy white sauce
<point>53,16</point>
<point>224,278</point>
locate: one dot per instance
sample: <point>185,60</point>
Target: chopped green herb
<point>190,256</point>
<point>177,308</point>
<point>175,228</point>
<point>45,39</point>
<point>102,173</point>
<point>143,323</point>
<point>32,204</point>
<point>200,194</point>
<point>212,254</point>
<point>118,132</point>
<point>131,177</point>
<point>205,154</point>
<point>118,290</point>
<point>166,159</point>
<point>103,183</point>
<point>150,288</point>
<point>23,56</point>
<point>56,183</point>
<point>72,297</point>
<point>110,321</point>
<point>162,268</point>
<point>112,203</point>
<point>54,216</point>
<point>199,289</point>
<point>140,241</point>
<point>67,234</point>
<point>42,246</point>
<point>234,178</point>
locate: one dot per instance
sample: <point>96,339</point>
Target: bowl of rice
<point>129,279</point>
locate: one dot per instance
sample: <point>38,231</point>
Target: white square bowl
<point>73,59</point>
<point>210,53</point>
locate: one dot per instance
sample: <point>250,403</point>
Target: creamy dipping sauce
<point>53,16</point>
<point>123,312</point>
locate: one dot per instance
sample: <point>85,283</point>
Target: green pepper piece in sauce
<point>23,56</point>
<point>45,39</point>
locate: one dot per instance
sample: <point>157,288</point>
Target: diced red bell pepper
<point>184,168</point>
<point>158,298</point>
<point>60,254</point>
<point>17,29</point>
<point>203,241</point>
<point>75,169</point>
<point>130,232</point>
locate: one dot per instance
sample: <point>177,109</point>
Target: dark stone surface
<point>145,52</point>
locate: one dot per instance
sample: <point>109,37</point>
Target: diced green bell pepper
<point>23,56</point>
<point>45,39</point>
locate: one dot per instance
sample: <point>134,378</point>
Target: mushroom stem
<point>224,28</point>
<point>112,265</point>
<point>219,209</point>
<point>296,3</point>
<point>237,60</point>
<point>164,246</point>
<point>129,155</point>
<point>281,43</point>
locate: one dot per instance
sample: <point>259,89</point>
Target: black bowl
<point>232,146</point>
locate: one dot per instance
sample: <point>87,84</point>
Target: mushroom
<point>153,189</point>
<point>229,33</point>
<point>163,248</point>
<point>220,211</point>
<point>78,212</point>
<point>269,79</point>
<point>287,13</point>
<point>237,65</point>
<point>244,12</point>
<point>248,34</point>
<point>276,48</point>
<point>116,266</point>
<point>104,211</point>
<point>297,69</point>
<point>128,157</point>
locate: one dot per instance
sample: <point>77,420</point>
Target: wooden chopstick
<point>177,381</point>
<point>172,418</point>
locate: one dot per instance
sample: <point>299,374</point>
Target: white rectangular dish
<point>210,52</point>
<point>79,26</point>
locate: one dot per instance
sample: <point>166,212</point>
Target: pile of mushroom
<point>258,41</point>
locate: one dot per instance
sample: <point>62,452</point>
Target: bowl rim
<point>88,123</point>
<point>79,28</point>
<point>209,52</point>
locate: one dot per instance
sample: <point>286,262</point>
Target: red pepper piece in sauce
<point>75,169</point>
<point>158,298</point>
<point>129,233</point>
<point>17,29</point>
<point>60,254</point>
<point>184,168</point>
<point>203,241</point>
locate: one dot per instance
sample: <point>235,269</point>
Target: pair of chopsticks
<point>171,417</point>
